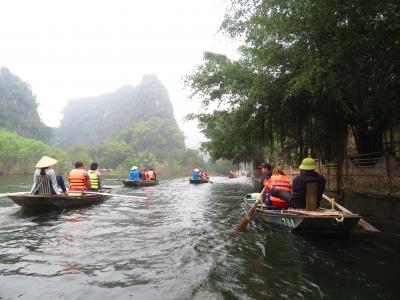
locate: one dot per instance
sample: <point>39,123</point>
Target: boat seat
<point>311,196</point>
<point>43,186</point>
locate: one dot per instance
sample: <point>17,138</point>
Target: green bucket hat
<point>308,164</point>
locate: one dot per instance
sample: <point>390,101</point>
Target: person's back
<point>44,178</point>
<point>94,177</point>
<point>134,174</point>
<point>196,174</point>
<point>297,198</point>
<point>78,178</point>
<point>299,188</point>
<point>151,175</point>
<point>279,181</point>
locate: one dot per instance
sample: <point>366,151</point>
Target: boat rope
<point>338,220</point>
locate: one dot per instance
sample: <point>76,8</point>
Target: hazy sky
<point>73,49</point>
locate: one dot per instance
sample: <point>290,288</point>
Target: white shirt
<point>52,175</point>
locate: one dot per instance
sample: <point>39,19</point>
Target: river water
<point>180,243</point>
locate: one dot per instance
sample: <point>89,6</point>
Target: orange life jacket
<point>77,180</point>
<point>280,182</point>
<point>151,175</point>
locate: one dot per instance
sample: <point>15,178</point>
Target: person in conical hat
<point>44,177</point>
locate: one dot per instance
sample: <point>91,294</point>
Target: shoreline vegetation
<point>312,76</point>
<point>18,156</point>
<point>134,125</point>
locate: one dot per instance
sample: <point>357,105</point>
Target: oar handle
<point>109,194</point>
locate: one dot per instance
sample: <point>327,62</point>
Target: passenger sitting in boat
<point>44,177</point>
<point>278,181</point>
<point>142,174</point>
<point>151,174</point>
<point>297,198</point>
<point>96,179</point>
<point>79,178</point>
<point>134,174</point>
<point>196,174</point>
<point>266,173</point>
<point>203,175</point>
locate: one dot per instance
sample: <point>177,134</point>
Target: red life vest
<point>280,182</point>
<point>151,175</point>
<point>78,180</point>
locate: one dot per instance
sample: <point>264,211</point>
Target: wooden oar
<point>364,224</point>
<point>109,194</point>
<point>242,226</point>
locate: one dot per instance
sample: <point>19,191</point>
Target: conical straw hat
<point>45,162</point>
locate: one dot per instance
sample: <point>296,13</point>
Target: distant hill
<point>90,121</point>
<point>18,108</point>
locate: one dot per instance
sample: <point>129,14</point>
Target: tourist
<point>151,174</point>
<point>44,177</point>
<point>196,174</point>
<point>134,174</point>
<point>297,198</point>
<point>278,181</point>
<point>203,175</point>
<point>95,177</point>
<point>79,178</point>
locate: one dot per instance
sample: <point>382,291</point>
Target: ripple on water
<point>180,243</point>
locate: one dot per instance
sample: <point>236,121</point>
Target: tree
<point>309,71</point>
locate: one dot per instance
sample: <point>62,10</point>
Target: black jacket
<point>299,188</point>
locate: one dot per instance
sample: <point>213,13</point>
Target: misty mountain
<point>18,108</point>
<point>90,121</point>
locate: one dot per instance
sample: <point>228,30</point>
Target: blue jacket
<point>196,175</point>
<point>134,175</point>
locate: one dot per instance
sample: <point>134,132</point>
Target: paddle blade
<point>242,226</point>
<point>367,226</point>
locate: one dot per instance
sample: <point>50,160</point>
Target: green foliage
<point>18,108</point>
<point>78,152</point>
<point>19,154</point>
<point>110,154</point>
<point>309,71</point>
<point>161,137</point>
<point>193,158</point>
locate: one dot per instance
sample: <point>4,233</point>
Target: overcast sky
<point>68,49</point>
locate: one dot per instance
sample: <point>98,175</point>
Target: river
<point>180,243</point>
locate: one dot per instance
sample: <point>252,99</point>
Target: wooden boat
<point>302,221</point>
<point>232,176</point>
<point>195,181</point>
<point>134,183</point>
<point>26,199</point>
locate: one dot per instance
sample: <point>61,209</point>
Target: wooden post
<point>311,196</point>
<point>388,172</point>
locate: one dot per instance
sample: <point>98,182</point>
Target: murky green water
<point>180,243</point>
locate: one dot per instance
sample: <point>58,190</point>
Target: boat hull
<point>134,183</point>
<point>322,221</point>
<point>197,181</point>
<point>56,201</point>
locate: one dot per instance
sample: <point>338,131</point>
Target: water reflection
<point>180,243</point>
